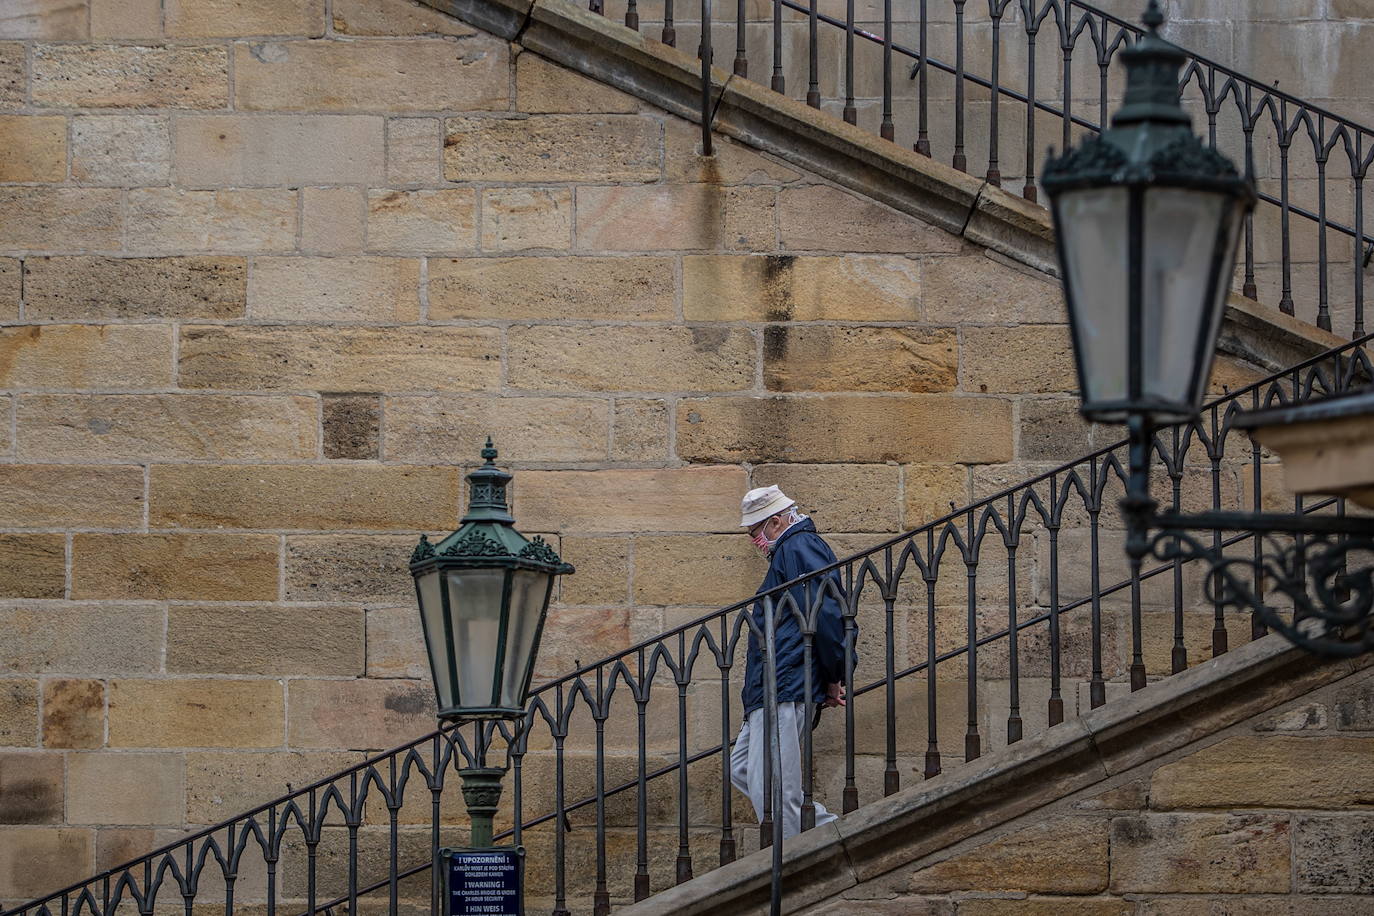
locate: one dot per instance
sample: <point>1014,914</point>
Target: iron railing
<point>928,80</point>
<point>995,621</point>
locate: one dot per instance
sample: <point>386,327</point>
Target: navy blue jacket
<point>799,551</point>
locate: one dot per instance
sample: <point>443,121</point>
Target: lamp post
<point>1147,219</point>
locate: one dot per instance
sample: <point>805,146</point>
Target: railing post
<point>706,149</point>
<point>770,698</point>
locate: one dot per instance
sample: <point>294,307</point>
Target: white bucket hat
<point>761,503</point>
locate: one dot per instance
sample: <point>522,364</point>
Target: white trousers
<point>748,758</point>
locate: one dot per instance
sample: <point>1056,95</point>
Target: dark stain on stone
<point>709,340</point>
<point>352,424</point>
<point>1134,831</point>
<point>30,801</point>
<point>410,703</point>
<point>777,286</point>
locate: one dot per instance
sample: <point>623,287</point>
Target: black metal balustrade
<point>994,622</point>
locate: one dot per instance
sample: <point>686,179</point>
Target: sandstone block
<point>1048,906</point>
<point>73,713</point>
<point>733,163</point>
<point>219,784</point>
<point>274,150</point>
<point>438,221</point>
<point>265,639</point>
<point>11,272</point>
<point>620,288</point>
<point>650,217</point>
<point>639,430</point>
<point>832,358</point>
<point>449,429</point>
<point>414,150</point>
<point>71,496</point>
<point>840,497</point>
<point>18,712</point>
<point>130,76</point>
<point>1052,430</point>
<point>33,148</point>
<point>578,636</point>
<point>83,288</point>
<point>359,714</point>
<point>30,788</point>
<point>341,359</point>
<point>13,78</point>
<point>335,289</point>
<point>515,219</point>
<point>791,288</point>
<point>396,642</point>
<point>1201,853</point>
<point>304,497</point>
<point>586,502</point>
<point>59,218</point>
<point>630,359</point>
<point>1354,707</point>
<point>394,17</point>
<point>713,569</point>
<point>126,19</point>
<point>1026,359</point>
<point>60,19</point>
<point>32,565</point>
<point>351,426</point>
<point>822,218</point>
<point>928,489</point>
<point>543,87</point>
<point>1273,771</point>
<point>196,712</point>
<point>123,150</point>
<point>187,567</point>
<point>471,75</point>
<point>982,289</point>
<point>238,18</point>
<point>349,567</point>
<point>36,860</point>
<point>332,219</point>
<point>1333,853</point>
<point>162,426</point>
<point>175,220</point>
<point>125,788</point>
<point>6,443</point>
<point>553,148</point>
<point>1058,855</point>
<point>862,429</point>
<point>85,356</point>
<point>603,570</point>
<point>751,221</point>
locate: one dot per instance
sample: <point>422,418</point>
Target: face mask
<point>762,542</point>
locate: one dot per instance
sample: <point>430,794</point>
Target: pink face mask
<point>762,543</point>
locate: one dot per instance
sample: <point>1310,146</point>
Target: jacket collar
<point>804,525</point>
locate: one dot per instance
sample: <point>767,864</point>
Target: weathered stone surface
<point>450,429</point>
<point>84,287</point>
<point>928,490</point>
<point>86,639</point>
<point>586,502</point>
<point>241,220</point>
<point>129,76</point>
<point>793,288</point>
<point>1056,855</point>
<point>32,565</point>
<point>630,359</point>
<point>265,639</point>
<point>543,87</point>
<point>1023,359</point>
<point>1308,716</point>
<point>840,497</point>
<point>621,288</point>
<point>30,788</point>
<point>239,18</point>
<point>396,642</point>
<point>860,359</point>
<point>359,715</point>
<point>350,567</point>
<point>126,19</point>
<point>393,76</point>
<point>824,218</point>
<point>1274,771</point>
<point>36,860</point>
<point>196,712</point>
<point>125,789</point>
<point>751,221</point>
<point>393,17</point>
<point>1200,853</point>
<point>553,148</point>
<point>414,151</point>
<point>439,221</point>
<point>133,426</point>
<point>271,150</point>
<point>577,636</point>
<point>1333,853</point>
<point>65,495</point>
<point>983,289</point>
<point>333,219</point>
<point>655,217</point>
<point>340,359</point>
<point>304,497</point>
<point>12,76</point>
<point>1131,796</point>
<point>1354,707</point>
<point>33,148</point>
<point>60,19</point>
<point>187,567</point>
<point>514,219</point>
<point>1052,430</point>
<point>85,356</point>
<point>73,713</point>
<point>125,150</point>
<point>351,426</point>
<point>603,570</point>
<point>220,784</point>
<point>1048,906</point>
<point>639,429</point>
<point>974,430</point>
<point>18,712</point>
<point>715,569</point>
<point>11,283</point>
<point>733,163</point>
<point>47,219</point>
<point>335,289</point>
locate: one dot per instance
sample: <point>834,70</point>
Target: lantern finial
<point>1154,16</point>
<point>489,452</point>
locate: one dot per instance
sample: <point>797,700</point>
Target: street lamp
<point>1147,218</point>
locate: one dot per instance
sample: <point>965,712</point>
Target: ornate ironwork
<point>475,543</point>
<point>539,551</point>
<point>423,550</point>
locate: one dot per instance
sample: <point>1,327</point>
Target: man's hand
<point>834,695</point>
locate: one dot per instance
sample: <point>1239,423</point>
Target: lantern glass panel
<point>1094,228</point>
<point>436,640</point>
<point>1182,227</point>
<point>475,606</point>
<point>529,590</point>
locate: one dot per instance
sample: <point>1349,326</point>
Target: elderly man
<point>793,548</point>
